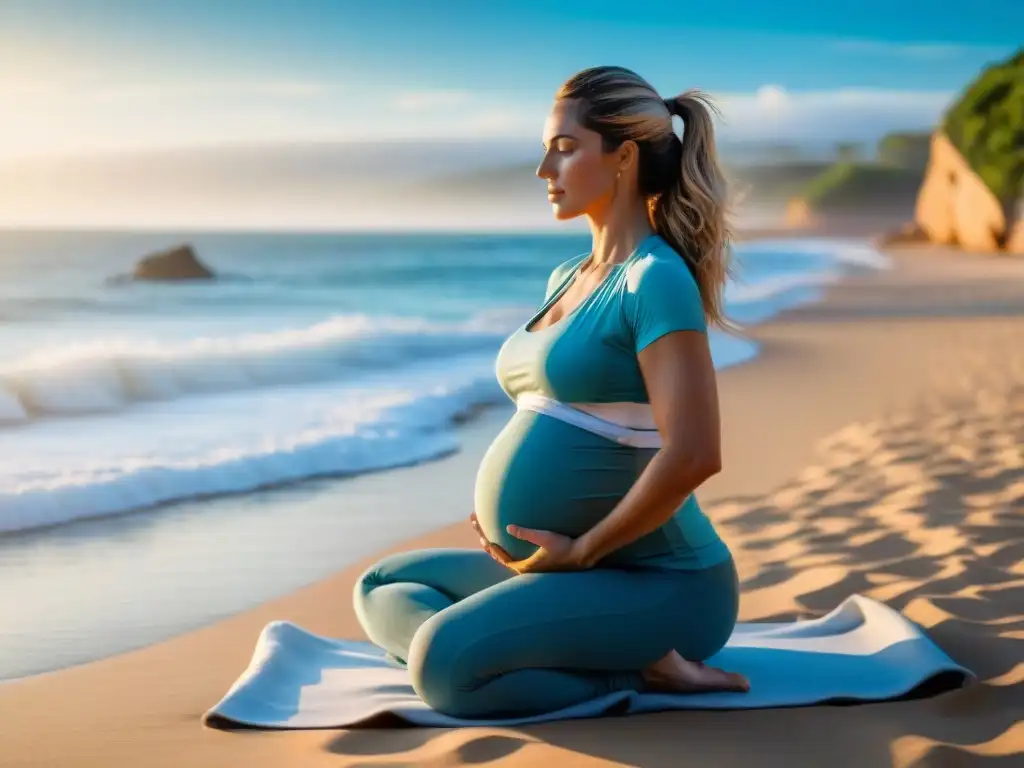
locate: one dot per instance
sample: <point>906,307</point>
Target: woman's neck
<point>618,236</point>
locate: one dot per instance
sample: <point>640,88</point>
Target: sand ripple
<point>923,510</point>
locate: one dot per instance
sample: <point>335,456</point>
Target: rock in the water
<point>178,263</point>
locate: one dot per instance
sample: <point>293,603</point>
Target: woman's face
<point>579,174</point>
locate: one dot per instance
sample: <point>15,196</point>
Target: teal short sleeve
<point>662,296</point>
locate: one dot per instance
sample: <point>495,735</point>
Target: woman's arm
<point>683,391</point>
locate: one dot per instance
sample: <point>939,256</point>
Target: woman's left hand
<point>555,552</point>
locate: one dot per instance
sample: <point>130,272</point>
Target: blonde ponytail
<point>692,214</point>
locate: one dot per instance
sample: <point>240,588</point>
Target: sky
<point>117,77</point>
<point>82,75</point>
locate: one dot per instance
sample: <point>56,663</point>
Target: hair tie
<point>676,122</point>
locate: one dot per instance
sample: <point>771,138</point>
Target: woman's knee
<point>382,572</point>
<point>387,570</point>
<point>441,668</point>
<point>713,620</point>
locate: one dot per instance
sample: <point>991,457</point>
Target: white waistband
<point>606,419</point>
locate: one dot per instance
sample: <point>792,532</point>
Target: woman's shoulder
<point>658,261</point>
<point>661,294</point>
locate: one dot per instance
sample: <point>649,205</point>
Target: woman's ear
<point>629,155</point>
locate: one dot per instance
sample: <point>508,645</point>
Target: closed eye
<point>560,143</point>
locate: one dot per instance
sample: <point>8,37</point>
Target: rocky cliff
<point>972,190</point>
<point>955,206</point>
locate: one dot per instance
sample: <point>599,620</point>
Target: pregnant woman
<point>598,570</point>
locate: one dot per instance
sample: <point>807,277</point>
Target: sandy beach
<point>875,446</point>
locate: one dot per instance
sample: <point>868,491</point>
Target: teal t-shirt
<point>590,356</point>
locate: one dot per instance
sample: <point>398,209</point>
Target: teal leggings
<point>481,641</point>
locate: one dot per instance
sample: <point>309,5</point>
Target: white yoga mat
<point>862,651</point>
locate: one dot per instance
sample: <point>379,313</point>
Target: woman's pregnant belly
<point>543,473</point>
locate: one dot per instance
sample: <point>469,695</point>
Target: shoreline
<point>313,505</point>
<point>830,381</point>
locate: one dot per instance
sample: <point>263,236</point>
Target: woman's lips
<point>554,194</point>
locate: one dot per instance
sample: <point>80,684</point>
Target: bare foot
<point>674,674</point>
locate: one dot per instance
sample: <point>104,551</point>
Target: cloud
<point>58,117</point>
<point>862,114</point>
<point>88,114</point>
<point>72,91</point>
<point>291,179</point>
<point>268,88</point>
<point>771,98</point>
<point>416,101</point>
<point>507,122</point>
<point>771,113</point>
<point>925,51</point>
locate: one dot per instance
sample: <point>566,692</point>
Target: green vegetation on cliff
<point>905,149</point>
<point>773,182</point>
<point>850,186</point>
<point>987,125</point>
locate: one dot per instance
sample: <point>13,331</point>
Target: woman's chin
<point>562,213</point>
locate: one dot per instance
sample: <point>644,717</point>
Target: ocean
<point>314,355</point>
